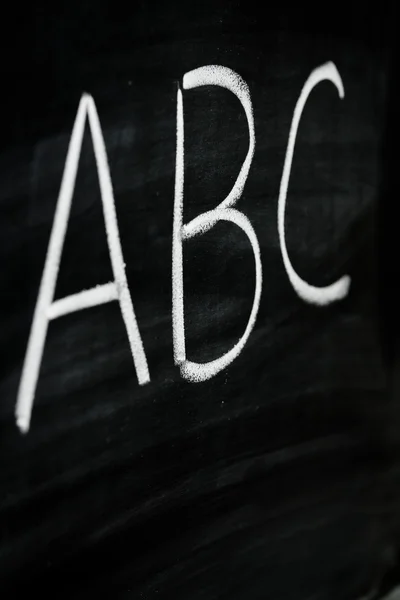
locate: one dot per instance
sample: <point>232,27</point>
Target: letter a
<point>224,77</point>
<point>47,309</point>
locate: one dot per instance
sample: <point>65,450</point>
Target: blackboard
<point>276,477</point>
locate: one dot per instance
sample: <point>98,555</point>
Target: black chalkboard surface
<point>135,462</point>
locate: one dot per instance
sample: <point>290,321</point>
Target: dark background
<point>278,478</point>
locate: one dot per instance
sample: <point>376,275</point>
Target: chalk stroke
<point>85,299</point>
<point>223,77</point>
<point>336,291</point>
<point>46,309</point>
